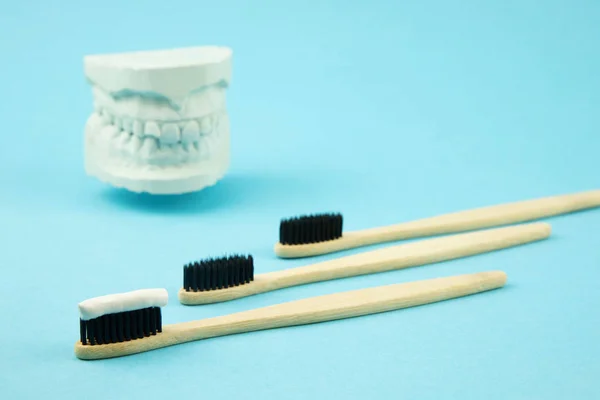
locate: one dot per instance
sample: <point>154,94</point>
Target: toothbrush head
<point>218,273</point>
<point>121,317</point>
<point>307,229</point>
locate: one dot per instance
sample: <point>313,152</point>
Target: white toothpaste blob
<point>121,302</point>
<point>170,100</point>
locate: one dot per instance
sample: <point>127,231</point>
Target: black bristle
<point>219,277</point>
<point>186,284</point>
<point>133,324</point>
<point>152,321</point>
<point>219,273</point>
<point>308,229</point>
<point>317,229</point>
<point>158,319</point>
<point>200,277</point>
<point>113,328</point>
<point>140,323</point>
<point>121,327</point>
<point>236,273</point>
<point>327,229</point>
<point>296,231</point>
<point>230,265</point>
<point>146,312</point>
<point>106,322</point>
<point>91,332</point>
<point>127,326</point>
<point>193,282</point>
<point>82,331</point>
<point>242,266</point>
<point>225,275</point>
<point>206,271</point>
<point>251,264</point>
<point>213,274</point>
<point>247,273</point>
<point>99,328</point>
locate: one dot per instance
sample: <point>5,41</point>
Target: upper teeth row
<point>167,132</point>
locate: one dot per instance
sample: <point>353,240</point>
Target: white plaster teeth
<point>203,149</point>
<point>151,128</point>
<point>106,119</point>
<point>110,131</point>
<point>135,143</point>
<point>170,133</point>
<point>123,139</point>
<point>205,126</point>
<point>191,132</point>
<point>94,121</point>
<point>163,155</point>
<point>119,124</point>
<point>211,144</point>
<point>161,142</point>
<point>187,147</point>
<point>137,127</point>
<point>127,124</point>
<point>155,125</point>
<point>149,146</point>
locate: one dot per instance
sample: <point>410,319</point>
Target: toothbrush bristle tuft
<point>218,273</point>
<point>307,229</point>
<point>121,326</point>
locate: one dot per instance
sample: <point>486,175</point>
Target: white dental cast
<point>120,302</point>
<point>160,123</point>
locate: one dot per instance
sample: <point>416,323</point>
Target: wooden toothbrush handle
<point>462,221</point>
<point>400,256</point>
<point>343,305</point>
<point>300,312</point>
<point>406,255</point>
<point>485,217</point>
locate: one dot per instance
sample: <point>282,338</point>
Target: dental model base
<point>319,234</point>
<point>117,333</point>
<point>231,278</point>
<point>160,123</point>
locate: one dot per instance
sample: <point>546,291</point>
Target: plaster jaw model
<point>160,123</point>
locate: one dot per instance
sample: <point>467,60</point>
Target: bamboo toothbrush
<point>127,323</point>
<point>312,235</point>
<point>229,278</point>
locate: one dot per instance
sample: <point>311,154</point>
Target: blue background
<point>386,112</point>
